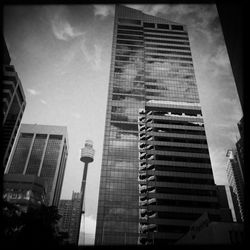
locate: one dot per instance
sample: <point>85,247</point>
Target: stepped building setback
<point>156,176</point>
<point>42,151</point>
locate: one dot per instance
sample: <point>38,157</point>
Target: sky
<point>62,55</point>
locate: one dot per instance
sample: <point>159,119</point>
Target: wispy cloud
<point>76,115</point>
<point>43,101</point>
<point>63,30</point>
<point>92,54</point>
<point>33,92</point>
<point>97,57</point>
<point>103,10</point>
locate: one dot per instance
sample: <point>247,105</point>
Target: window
<point>129,27</point>
<point>162,26</point>
<point>129,21</point>
<point>177,27</point>
<point>149,25</point>
<point>20,95</point>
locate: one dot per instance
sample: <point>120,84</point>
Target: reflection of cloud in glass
<point>128,137</point>
<point>129,73</point>
<point>132,112</point>
<point>130,70</point>
<point>176,85</point>
<point>120,144</point>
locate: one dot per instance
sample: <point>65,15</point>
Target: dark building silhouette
<point>156,176</point>
<point>231,19</point>
<point>205,232</point>
<point>41,150</point>
<point>25,191</point>
<point>13,105</point>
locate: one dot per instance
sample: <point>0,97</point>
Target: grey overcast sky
<point>62,55</point>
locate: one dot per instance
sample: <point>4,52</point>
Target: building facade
<point>156,175</point>
<point>13,105</point>
<point>240,147</point>
<point>236,180</point>
<point>25,191</point>
<point>70,211</point>
<point>41,150</point>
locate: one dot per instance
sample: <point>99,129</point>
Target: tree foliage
<point>36,227</point>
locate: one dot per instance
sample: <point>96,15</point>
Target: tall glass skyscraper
<point>41,150</point>
<point>156,175</point>
<point>13,105</point>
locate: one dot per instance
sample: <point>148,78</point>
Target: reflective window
<point>50,160</point>
<point>36,154</point>
<point>21,153</point>
<point>129,21</point>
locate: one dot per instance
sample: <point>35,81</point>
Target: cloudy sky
<point>62,56</point>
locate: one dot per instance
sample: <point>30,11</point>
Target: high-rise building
<point>13,105</point>
<point>236,180</point>
<point>156,175</point>
<point>240,147</point>
<point>70,211</point>
<point>41,150</point>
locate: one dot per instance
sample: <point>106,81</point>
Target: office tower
<point>70,211</point>
<point>176,183</point>
<point>25,191</point>
<point>156,175</point>
<point>235,179</point>
<point>232,197</point>
<point>13,105</point>
<point>41,150</point>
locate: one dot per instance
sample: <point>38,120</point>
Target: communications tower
<point>87,156</point>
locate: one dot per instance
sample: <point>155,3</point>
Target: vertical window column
<point>44,150</point>
<point>28,157</point>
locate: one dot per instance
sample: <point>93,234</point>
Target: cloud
<point>148,8</point>
<point>103,10</point>
<point>63,30</point>
<point>92,54</point>
<point>97,56</point>
<point>33,92</point>
<point>219,164</point>
<point>76,115</point>
<point>59,21</point>
<point>43,101</point>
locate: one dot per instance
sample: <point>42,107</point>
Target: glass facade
<point>41,151</point>
<point>36,154</point>
<point>18,162</point>
<point>13,105</point>
<point>156,176</point>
